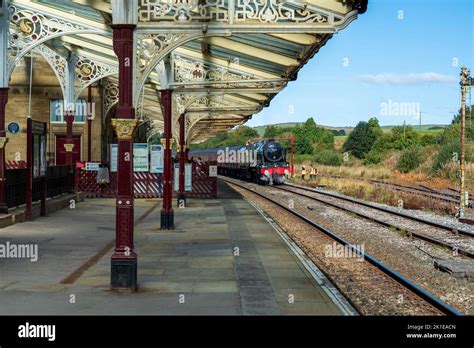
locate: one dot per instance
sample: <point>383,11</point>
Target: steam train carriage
<point>263,162</point>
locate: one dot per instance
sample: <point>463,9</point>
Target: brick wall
<point>45,88</point>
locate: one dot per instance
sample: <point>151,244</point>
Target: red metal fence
<point>146,185</point>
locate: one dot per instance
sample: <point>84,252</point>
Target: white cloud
<point>408,79</point>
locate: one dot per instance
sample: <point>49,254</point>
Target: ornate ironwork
<point>111,95</point>
<point>57,62</point>
<point>252,11</point>
<point>89,70</point>
<point>182,10</point>
<point>191,70</point>
<point>151,48</point>
<point>30,28</point>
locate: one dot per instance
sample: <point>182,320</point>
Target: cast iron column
<point>69,145</point>
<point>167,214</point>
<point>124,259</point>
<point>186,153</point>
<point>182,159</point>
<point>3,141</point>
<point>89,124</point>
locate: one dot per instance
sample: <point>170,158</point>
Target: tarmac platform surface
<point>222,258</point>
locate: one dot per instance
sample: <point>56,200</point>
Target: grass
<point>370,192</point>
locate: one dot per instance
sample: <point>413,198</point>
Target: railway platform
<point>223,257</point>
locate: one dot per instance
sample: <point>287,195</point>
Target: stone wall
<point>45,88</point>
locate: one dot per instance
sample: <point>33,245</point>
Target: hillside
<point>424,127</point>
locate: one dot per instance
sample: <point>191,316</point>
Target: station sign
<point>13,128</point>
<point>92,166</point>
<point>212,171</point>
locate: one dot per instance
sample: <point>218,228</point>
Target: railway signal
<point>466,82</point>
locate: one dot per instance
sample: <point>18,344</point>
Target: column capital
<point>3,141</point>
<point>124,127</point>
<point>69,147</point>
<point>163,142</point>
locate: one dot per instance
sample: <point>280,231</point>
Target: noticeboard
<point>176,177</point>
<point>39,149</point>
<point>113,157</point>
<point>156,159</point>
<point>140,157</point>
<point>188,175</point>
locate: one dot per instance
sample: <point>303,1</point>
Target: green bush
<point>427,139</point>
<point>328,157</point>
<point>299,158</point>
<point>410,159</point>
<point>374,156</point>
<point>448,152</point>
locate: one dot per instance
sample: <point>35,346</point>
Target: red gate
<point>146,185</point>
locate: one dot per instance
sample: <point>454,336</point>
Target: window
<point>57,111</point>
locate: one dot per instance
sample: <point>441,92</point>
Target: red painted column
<point>89,124</point>
<point>167,214</point>
<point>182,160</point>
<point>3,141</point>
<point>186,153</point>
<point>29,168</point>
<point>69,146</point>
<point>124,259</point>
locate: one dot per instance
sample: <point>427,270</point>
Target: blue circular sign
<point>13,127</point>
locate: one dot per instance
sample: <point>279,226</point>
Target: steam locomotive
<point>263,162</point>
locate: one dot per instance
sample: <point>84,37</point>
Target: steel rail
<point>387,224</point>
<point>386,210</point>
<point>420,292</point>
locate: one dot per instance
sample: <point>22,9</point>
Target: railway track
<point>451,241</point>
<point>449,196</point>
<point>379,266</point>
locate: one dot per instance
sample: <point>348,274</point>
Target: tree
<point>374,123</point>
<point>271,131</point>
<point>360,140</point>
<point>469,126</point>
<point>302,143</point>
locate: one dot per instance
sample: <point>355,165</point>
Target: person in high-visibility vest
<point>303,172</point>
<point>314,172</point>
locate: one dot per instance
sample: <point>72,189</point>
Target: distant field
<point>425,128</point>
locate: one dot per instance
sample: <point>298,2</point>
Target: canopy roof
<point>225,59</point>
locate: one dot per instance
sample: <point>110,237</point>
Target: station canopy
<point>224,59</point>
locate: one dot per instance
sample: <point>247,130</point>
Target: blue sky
<point>393,64</point>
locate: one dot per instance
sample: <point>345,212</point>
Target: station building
<point>185,69</point>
